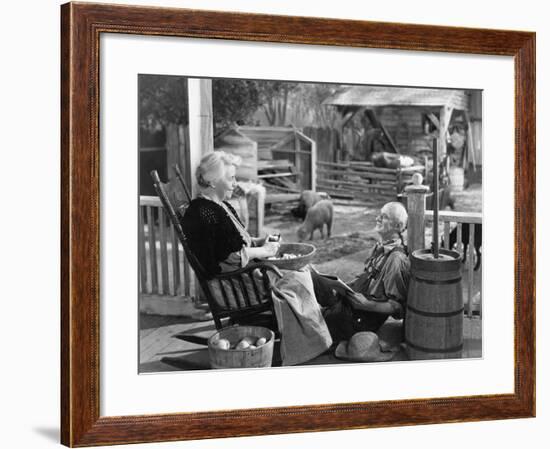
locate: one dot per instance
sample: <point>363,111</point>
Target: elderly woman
<point>221,243</point>
<point>216,234</point>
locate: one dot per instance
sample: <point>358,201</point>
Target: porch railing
<point>450,219</point>
<point>163,267</point>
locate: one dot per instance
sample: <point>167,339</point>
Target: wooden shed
<point>408,117</point>
<point>282,158</point>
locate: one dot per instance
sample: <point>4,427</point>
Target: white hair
<point>397,214</point>
<point>212,167</point>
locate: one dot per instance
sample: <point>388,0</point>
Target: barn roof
<point>373,96</point>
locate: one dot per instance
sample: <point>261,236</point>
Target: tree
<point>164,111</point>
<point>275,95</point>
<point>234,101</point>
<point>307,100</point>
<point>163,100</point>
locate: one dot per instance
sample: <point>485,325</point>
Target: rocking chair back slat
<point>254,285</point>
<point>245,291</point>
<point>224,294</point>
<point>240,304</point>
<point>182,182</point>
<point>174,212</point>
<point>265,279</point>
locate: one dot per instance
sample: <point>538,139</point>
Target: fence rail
<point>163,267</point>
<point>360,180</point>
<point>468,225</point>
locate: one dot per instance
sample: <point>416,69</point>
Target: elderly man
<point>379,292</point>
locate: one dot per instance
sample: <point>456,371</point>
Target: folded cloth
<point>304,333</point>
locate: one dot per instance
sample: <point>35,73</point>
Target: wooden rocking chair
<point>242,296</point>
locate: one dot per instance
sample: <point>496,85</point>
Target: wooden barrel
<point>456,178</point>
<point>241,358</point>
<point>435,311</point>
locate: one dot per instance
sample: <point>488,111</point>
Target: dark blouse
<point>211,234</point>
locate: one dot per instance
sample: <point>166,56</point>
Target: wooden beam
<point>433,119</point>
<point>378,124</point>
<point>350,114</point>
<point>298,159</point>
<point>471,151</point>
<point>312,159</point>
<point>281,197</point>
<point>456,217</point>
<point>444,120</point>
<point>346,115</point>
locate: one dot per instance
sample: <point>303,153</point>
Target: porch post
<point>416,208</point>
<point>201,134</point>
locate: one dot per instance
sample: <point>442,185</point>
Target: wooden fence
<point>163,267</point>
<point>361,180</point>
<point>471,219</point>
<point>327,140</point>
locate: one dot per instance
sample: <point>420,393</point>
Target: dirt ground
<point>350,229</point>
<point>352,225</point>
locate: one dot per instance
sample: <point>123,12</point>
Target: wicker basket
<point>304,251</point>
<point>259,357</point>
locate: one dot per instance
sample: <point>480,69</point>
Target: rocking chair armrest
<point>249,268</point>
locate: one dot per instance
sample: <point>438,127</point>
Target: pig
<point>384,160</point>
<point>453,236</point>
<point>316,218</point>
<point>308,198</point>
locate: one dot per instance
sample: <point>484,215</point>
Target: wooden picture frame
<point>81,26</point>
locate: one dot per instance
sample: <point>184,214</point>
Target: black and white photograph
<point>293,223</point>
<point>269,224</point>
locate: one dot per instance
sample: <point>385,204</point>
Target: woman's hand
<point>258,241</point>
<point>274,238</point>
<point>271,248</point>
<point>268,249</point>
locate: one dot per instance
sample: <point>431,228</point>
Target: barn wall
<point>235,143</point>
<point>404,124</point>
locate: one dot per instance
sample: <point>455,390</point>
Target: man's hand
<point>357,300</point>
<point>397,309</point>
<point>360,302</point>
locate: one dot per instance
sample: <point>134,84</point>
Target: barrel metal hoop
<point>433,282</point>
<point>435,350</point>
<point>435,314</point>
